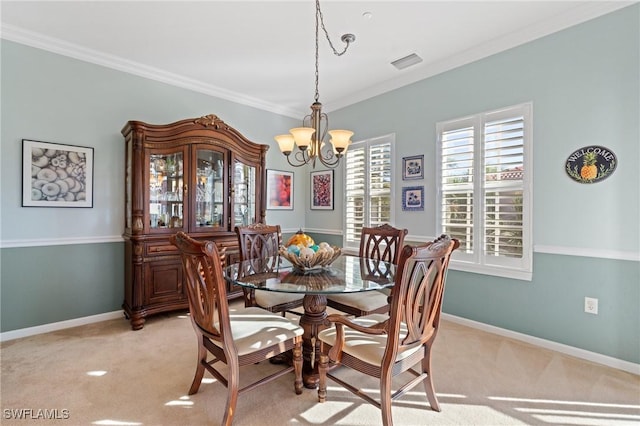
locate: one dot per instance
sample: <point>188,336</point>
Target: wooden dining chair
<point>384,243</point>
<point>383,346</point>
<point>259,243</point>
<point>235,337</point>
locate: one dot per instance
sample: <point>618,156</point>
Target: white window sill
<point>516,274</point>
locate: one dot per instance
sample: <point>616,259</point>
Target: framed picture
<point>279,190</point>
<point>413,198</point>
<point>413,167</point>
<point>322,190</point>
<point>56,175</point>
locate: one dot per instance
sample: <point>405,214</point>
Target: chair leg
<point>233,383</point>
<point>322,377</point>
<point>202,360</point>
<point>428,382</point>
<point>297,367</point>
<point>385,399</point>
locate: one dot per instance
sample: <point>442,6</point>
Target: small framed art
<point>322,190</point>
<point>279,190</point>
<point>56,175</point>
<point>413,167</point>
<point>413,198</point>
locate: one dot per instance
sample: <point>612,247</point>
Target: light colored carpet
<point>106,374</point>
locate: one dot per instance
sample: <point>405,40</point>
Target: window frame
<point>353,246</point>
<point>479,261</point>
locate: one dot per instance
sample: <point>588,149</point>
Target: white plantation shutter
<point>457,185</point>
<point>356,183</point>
<point>484,182</point>
<point>368,186</point>
<point>503,186</point>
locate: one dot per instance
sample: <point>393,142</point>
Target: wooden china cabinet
<point>197,175</point>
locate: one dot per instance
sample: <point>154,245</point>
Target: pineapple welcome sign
<point>591,164</point>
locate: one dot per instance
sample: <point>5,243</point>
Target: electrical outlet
<point>591,305</point>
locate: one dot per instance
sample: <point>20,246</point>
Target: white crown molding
<point>39,41</point>
<point>548,344</point>
<point>575,16</point>
<point>585,12</point>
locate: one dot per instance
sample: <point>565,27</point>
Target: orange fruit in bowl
<point>300,238</point>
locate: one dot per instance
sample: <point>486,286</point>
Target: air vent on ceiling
<point>407,61</point>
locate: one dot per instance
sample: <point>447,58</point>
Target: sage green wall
<point>42,285</point>
<point>54,260</point>
<point>584,83</point>
<point>551,306</point>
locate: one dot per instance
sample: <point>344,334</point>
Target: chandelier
<point>309,138</point>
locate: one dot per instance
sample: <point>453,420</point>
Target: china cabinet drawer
<point>161,248</point>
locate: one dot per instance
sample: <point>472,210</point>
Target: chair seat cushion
<point>254,329</point>
<point>368,348</point>
<point>267,299</point>
<point>366,301</point>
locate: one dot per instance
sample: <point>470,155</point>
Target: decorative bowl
<point>320,259</point>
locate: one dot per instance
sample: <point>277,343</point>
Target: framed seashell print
<point>56,175</point>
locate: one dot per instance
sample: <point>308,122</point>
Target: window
<point>484,181</point>
<point>369,187</point>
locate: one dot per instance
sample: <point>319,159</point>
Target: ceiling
<point>261,53</point>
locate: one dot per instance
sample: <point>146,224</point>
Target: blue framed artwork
<point>413,198</point>
<point>413,167</point>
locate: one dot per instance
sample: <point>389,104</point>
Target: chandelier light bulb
<point>340,139</point>
<point>302,136</point>
<point>286,143</point>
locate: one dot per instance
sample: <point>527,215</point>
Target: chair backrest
<point>383,242</point>
<point>206,287</point>
<point>418,293</point>
<point>258,240</point>
<point>260,243</point>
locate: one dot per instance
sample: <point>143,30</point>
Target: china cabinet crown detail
<point>199,176</point>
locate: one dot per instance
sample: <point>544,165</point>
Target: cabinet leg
<point>137,322</point>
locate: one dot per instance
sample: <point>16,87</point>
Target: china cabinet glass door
<point>166,183</point>
<point>244,194</point>
<point>209,191</point>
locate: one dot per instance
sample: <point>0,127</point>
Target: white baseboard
<point>597,358</point>
<point>61,325</point>
<point>547,344</point>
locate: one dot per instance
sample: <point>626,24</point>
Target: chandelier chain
<point>320,22</point>
<point>309,138</point>
<point>319,14</point>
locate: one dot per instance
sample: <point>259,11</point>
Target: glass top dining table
<point>347,274</point>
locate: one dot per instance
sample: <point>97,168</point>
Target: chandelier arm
<point>347,38</point>
<point>327,161</point>
<point>302,155</point>
<point>294,164</point>
<point>325,129</point>
<point>300,158</point>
